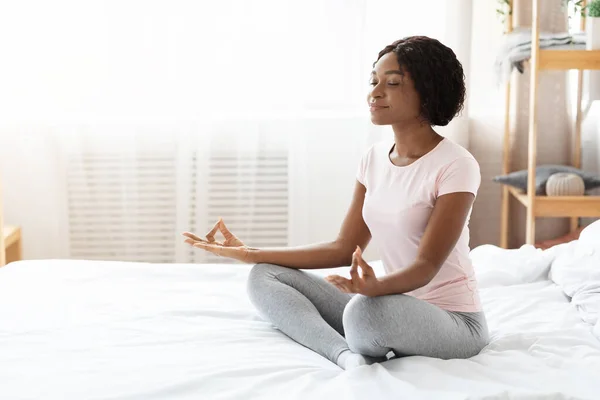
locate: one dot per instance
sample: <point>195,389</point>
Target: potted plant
<point>504,8</point>
<point>592,42</point>
<point>592,25</point>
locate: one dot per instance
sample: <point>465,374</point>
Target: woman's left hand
<point>367,284</point>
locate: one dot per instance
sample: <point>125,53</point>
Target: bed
<point>75,329</point>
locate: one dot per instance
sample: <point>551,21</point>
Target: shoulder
<point>452,151</point>
<point>458,170</point>
<point>453,156</point>
<point>370,162</point>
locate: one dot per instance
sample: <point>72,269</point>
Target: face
<point>392,98</point>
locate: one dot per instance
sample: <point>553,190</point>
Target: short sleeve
<point>461,175</point>
<point>361,171</point>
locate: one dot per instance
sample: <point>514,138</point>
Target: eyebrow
<point>390,72</point>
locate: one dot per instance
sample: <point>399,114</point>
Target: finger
<point>340,288</point>
<point>192,236</point>
<point>225,231</point>
<point>193,239</point>
<point>346,285</point>
<point>358,252</point>
<point>340,282</point>
<point>209,247</point>
<point>210,236</point>
<point>230,238</point>
<point>337,285</point>
<point>192,242</point>
<point>354,270</point>
<point>367,270</point>
<point>333,279</point>
<point>237,253</point>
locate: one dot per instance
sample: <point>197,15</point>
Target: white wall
<point>32,190</point>
<point>486,121</point>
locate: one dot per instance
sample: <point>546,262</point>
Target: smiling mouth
<point>377,108</point>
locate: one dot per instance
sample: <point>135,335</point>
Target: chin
<point>378,121</point>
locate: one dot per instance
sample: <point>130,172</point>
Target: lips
<point>374,107</point>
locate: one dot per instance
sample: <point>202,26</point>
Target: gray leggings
<point>319,316</point>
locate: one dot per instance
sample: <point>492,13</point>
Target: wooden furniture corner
<point>13,247</point>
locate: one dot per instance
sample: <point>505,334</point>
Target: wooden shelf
<point>571,207</point>
<point>519,195</point>
<point>569,59</point>
<point>560,206</point>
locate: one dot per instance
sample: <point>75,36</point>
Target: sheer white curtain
<point>97,96</point>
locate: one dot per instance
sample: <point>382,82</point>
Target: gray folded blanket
<point>517,48</point>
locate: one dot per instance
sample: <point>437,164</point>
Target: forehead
<point>388,62</point>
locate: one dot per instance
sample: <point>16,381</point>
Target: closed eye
<point>389,83</point>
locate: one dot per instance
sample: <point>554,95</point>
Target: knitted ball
<point>565,184</point>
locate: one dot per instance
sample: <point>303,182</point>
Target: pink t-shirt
<point>397,206</point>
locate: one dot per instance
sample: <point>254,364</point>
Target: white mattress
<point>108,330</point>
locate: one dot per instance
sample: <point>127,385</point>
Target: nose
<point>376,93</point>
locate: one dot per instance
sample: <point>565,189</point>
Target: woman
<point>415,196</point>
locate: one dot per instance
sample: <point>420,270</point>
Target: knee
<point>362,319</point>
<point>259,274</point>
<point>364,310</point>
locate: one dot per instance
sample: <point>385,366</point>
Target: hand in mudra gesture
<point>366,284</point>
<point>231,247</point>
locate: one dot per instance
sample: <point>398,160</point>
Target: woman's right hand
<point>231,247</point>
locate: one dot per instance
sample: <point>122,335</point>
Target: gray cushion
<point>518,179</point>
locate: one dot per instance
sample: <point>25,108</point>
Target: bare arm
<point>443,230</point>
<point>333,254</point>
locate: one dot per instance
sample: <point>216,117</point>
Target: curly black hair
<point>437,74</point>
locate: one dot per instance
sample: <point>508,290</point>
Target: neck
<point>414,140</point>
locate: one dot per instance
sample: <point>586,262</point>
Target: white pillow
<point>576,269</point>
<point>495,266</point>
<point>591,234</point>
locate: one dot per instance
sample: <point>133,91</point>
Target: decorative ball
<point>565,184</point>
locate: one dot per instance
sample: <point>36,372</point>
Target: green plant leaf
<point>594,9</point>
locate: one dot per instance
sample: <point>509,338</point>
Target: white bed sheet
<point>114,330</point>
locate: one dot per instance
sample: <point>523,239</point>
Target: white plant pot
<point>592,81</point>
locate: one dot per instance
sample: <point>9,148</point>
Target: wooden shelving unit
<point>545,206</point>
